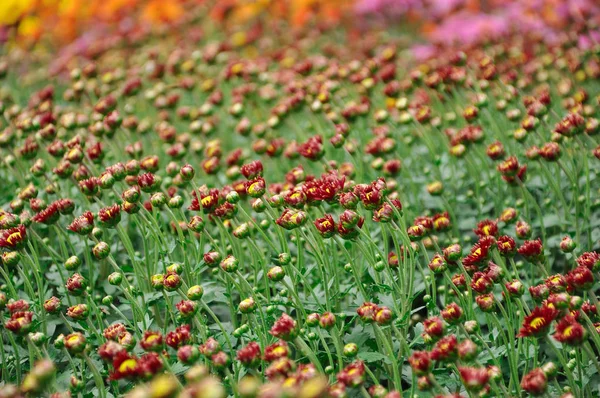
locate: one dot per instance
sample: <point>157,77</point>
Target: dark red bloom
<point>252,170</point>
<point>125,365</point>
<point>110,216</point>
<point>591,260</point>
<point>352,375</point>
<point>291,219</point>
<point>452,313</point>
<point>550,151</point>
<point>179,336</point>
<point>556,283</point>
<point>434,327</point>
<point>83,224</point>
<point>109,350</point>
<point>481,283</point>
<point>13,238</point>
<point>479,253</point>
<point>532,250</point>
<point>535,382</point>
<point>17,305</point>
<point>48,216</point>
<point>569,331</point>
<point>506,245</point>
<point>312,149</point>
<point>276,350</point>
<point>152,341</point>
<point>441,221</point>
<point>284,328</point>
<point>580,279</point>
<point>20,322</point>
<point>445,349</point>
<point>325,188</point>
<point>249,355</point>
<point>209,200</point>
<point>326,226</point>
<point>149,365</point>
<point>474,379</point>
<point>486,228</point>
<point>538,322</point>
<point>367,311</point>
<point>420,362</point>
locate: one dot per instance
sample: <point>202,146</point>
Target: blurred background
<point>31,22</point>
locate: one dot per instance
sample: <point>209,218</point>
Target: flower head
<point>538,322</point>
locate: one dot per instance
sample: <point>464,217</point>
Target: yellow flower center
<point>128,365</point>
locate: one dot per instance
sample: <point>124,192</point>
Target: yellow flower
<point>13,10</point>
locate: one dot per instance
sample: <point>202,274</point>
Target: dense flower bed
<point>302,212</point>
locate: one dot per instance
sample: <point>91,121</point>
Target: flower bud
<point>276,274</point>
<point>247,306</point>
<point>101,250</point>
<point>115,278</point>
<point>195,292</point>
<point>188,354</point>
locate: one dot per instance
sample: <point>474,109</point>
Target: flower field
<point>295,199</point>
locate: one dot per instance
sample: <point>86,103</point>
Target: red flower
<point>279,368</point>
<point>386,212</point>
<point>486,228</point>
<point>434,327</point>
<point>325,188</point>
<point>179,336</point>
<point>532,250</point>
<point>312,149</point>
<point>581,278</point>
<point>479,253</point>
<point>535,382</point>
<point>20,322</point>
<point>538,322</point>
<point>506,245</point>
<point>539,292</point>
<point>149,365</point>
<point>110,216</point>
<point>441,222</point>
<point>13,238</point>
<point>550,151</point>
<point>474,379</point>
<point>486,302</point>
<point>47,216</point>
<point>452,313</point>
<point>252,170</point>
<point>16,306</point>
<point>210,347</point>
<point>420,362</point>
<point>152,341</point>
<point>250,354</point>
<point>285,328</point>
<point>256,187</point>
<point>569,331</point>
<point>109,350</point>
<point>367,311</point>
<point>291,219</point>
<point>276,350</point>
<point>352,375</point>
<point>556,283</point>
<point>83,224</point>
<point>591,260</point>
<point>495,150</point>
<point>90,186</point>
<point>481,283</point>
<point>125,366</point>
<point>445,349</point>
<point>325,226</point>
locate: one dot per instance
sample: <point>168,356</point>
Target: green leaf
<point>373,357</point>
